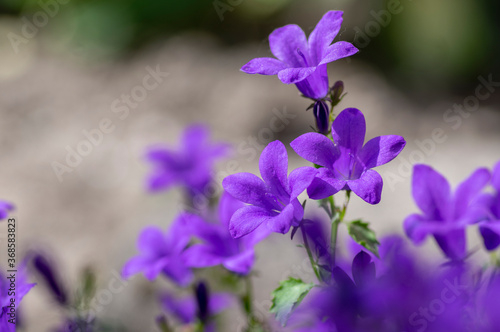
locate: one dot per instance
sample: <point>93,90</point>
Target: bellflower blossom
<point>445,215</point>
<point>346,163</point>
<point>273,200</point>
<point>219,247</point>
<point>162,252</point>
<point>303,61</point>
<point>5,208</point>
<point>189,166</point>
<point>490,228</point>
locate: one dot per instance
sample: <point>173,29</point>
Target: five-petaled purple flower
<point>162,252</point>
<point>347,164</point>
<point>490,228</point>
<point>5,208</point>
<point>219,247</point>
<point>445,214</point>
<point>189,166</point>
<point>273,201</point>
<point>303,61</point>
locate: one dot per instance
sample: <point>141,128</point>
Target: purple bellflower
<point>303,61</point>
<point>490,228</point>
<point>445,215</point>
<point>5,208</point>
<point>273,200</point>
<point>162,252</point>
<point>218,246</point>
<point>189,166</point>
<point>346,163</point>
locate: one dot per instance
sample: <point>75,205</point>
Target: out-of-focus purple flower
<point>303,61</point>
<point>347,164</point>
<point>190,165</point>
<point>187,309</point>
<point>76,324</point>
<point>52,278</point>
<point>163,252</point>
<point>273,200</point>
<point>5,208</point>
<point>218,246</point>
<point>445,215</point>
<point>490,228</point>
<point>9,302</point>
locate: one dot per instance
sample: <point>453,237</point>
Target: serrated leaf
<point>287,297</point>
<point>362,234</point>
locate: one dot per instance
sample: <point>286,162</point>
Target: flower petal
<point>178,272</point>
<point>247,219</point>
<point>452,243</point>
<point>431,192</point>
<point>324,185</point>
<point>316,148</point>
<point>219,302</point>
<point>381,150</point>
<point>315,86</point>
<point>348,130</point>
<point>338,51</point>
<point>151,240</point>
<point>241,263</point>
<point>491,234</point>
<point>248,188</point>
<point>263,66</point>
<point>273,166</point>
<point>284,43</point>
<point>495,179</point>
<point>417,228</point>
<point>283,221</point>
<point>324,33</point>
<point>295,75</point>
<point>469,190</point>
<point>300,178</point>
<point>363,269</point>
<point>201,255</point>
<point>368,187</point>
<point>228,205</point>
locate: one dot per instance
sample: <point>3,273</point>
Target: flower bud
<point>336,92</point>
<point>202,300</point>
<point>322,116</point>
<point>52,280</point>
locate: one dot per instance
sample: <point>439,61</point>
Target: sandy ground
<point>92,214</point>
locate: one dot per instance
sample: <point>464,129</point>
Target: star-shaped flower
<point>445,214</point>
<point>190,165</point>
<point>303,61</point>
<point>219,247</point>
<point>273,200</point>
<point>347,164</point>
<point>162,252</point>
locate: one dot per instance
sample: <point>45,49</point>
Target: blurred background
<point>427,70</point>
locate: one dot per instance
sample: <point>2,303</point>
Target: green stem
<point>337,218</point>
<point>309,254</point>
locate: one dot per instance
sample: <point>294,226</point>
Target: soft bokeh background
<point>62,76</point>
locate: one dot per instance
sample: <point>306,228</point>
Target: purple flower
<point>189,166</point>
<point>218,246</point>
<point>490,228</point>
<point>444,215</point>
<point>5,208</point>
<point>303,61</point>
<point>51,277</point>
<point>273,201</point>
<point>347,164</point>
<point>162,252</point>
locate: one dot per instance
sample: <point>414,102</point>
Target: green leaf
<point>288,296</point>
<point>362,234</point>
